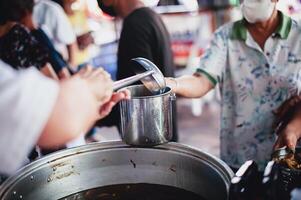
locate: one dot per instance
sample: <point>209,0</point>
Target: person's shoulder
<point>48,6</point>
<point>144,14</point>
<point>225,30</point>
<point>19,29</point>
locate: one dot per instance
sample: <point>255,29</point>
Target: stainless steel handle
<point>128,81</point>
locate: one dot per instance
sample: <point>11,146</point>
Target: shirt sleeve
<point>213,61</point>
<point>26,102</point>
<point>53,20</point>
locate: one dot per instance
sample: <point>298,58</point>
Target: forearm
<point>193,86</point>
<point>75,112</point>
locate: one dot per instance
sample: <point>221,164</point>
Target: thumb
<point>291,142</point>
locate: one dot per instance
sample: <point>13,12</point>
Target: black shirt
<point>144,35</point>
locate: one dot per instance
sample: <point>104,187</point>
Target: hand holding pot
<point>289,136</point>
<point>288,123</point>
<point>172,83</point>
<point>115,98</point>
<point>101,85</point>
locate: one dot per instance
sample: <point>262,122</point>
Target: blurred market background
<point>190,24</point>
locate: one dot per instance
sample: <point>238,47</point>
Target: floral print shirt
<point>20,49</point>
<point>253,83</point>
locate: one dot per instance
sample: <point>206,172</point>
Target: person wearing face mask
<point>256,64</point>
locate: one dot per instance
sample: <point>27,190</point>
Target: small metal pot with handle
<point>146,119</point>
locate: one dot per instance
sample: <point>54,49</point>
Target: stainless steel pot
<point>101,164</point>
<point>146,119</point>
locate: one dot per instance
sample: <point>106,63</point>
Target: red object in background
<point>182,49</point>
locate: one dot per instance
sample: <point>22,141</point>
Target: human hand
<point>116,97</point>
<point>48,71</point>
<point>288,137</point>
<point>64,74</point>
<point>99,82</point>
<point>286,111</point>
<point>287,123</point>
<point>85,40</point>
<point>172,83</point>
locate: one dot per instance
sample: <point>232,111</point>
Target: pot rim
<point>169,91</point>
<point>219,165</point>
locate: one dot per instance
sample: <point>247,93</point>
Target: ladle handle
<point>128,81</point>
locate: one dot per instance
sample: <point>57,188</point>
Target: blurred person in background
<point>17,46</point>
<point>21,46</point>
<point>78,19</point>
<point>51,18</point>
<point>38,110</point>
<point>256,62</point>
<point>144,35</point>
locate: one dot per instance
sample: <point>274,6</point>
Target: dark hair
<point>14,10</point>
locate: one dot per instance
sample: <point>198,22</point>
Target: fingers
<point>86,71</point>
<point>286,139</point>
<point>48,71</point>
<point>106,109</point>
<point>127,94</point>
<point>291,142</point>
<point>121,95</point>
<point>115,98</point>
<point>171,83</point>
<point>64,74</point>
<point>100,72</point>
<point>279,143</point>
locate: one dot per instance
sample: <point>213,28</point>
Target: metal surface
<point>288,179</point>
<point>282,153</point>
<point>146,119</point>
<point>128,81</point>
<point>100,164</point>
<point>148,73</point>
<point>154,83</point>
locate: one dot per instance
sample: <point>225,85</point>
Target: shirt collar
<point>239,30</point>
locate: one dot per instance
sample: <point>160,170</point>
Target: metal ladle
<point>148,73</point>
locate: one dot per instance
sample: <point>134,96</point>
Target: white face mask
<point>257,10</point>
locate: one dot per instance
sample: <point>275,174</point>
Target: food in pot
<point>135,192</point>
<point>292,161</point>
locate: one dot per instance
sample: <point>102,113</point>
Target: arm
<point>72,50</point>
<point>211,69</point>
<point>48,71</point>
<point>83,99</point>
<point>288,117</point>
<point>74,112</point>
<point>291,134</point>
<point>191,86</point>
